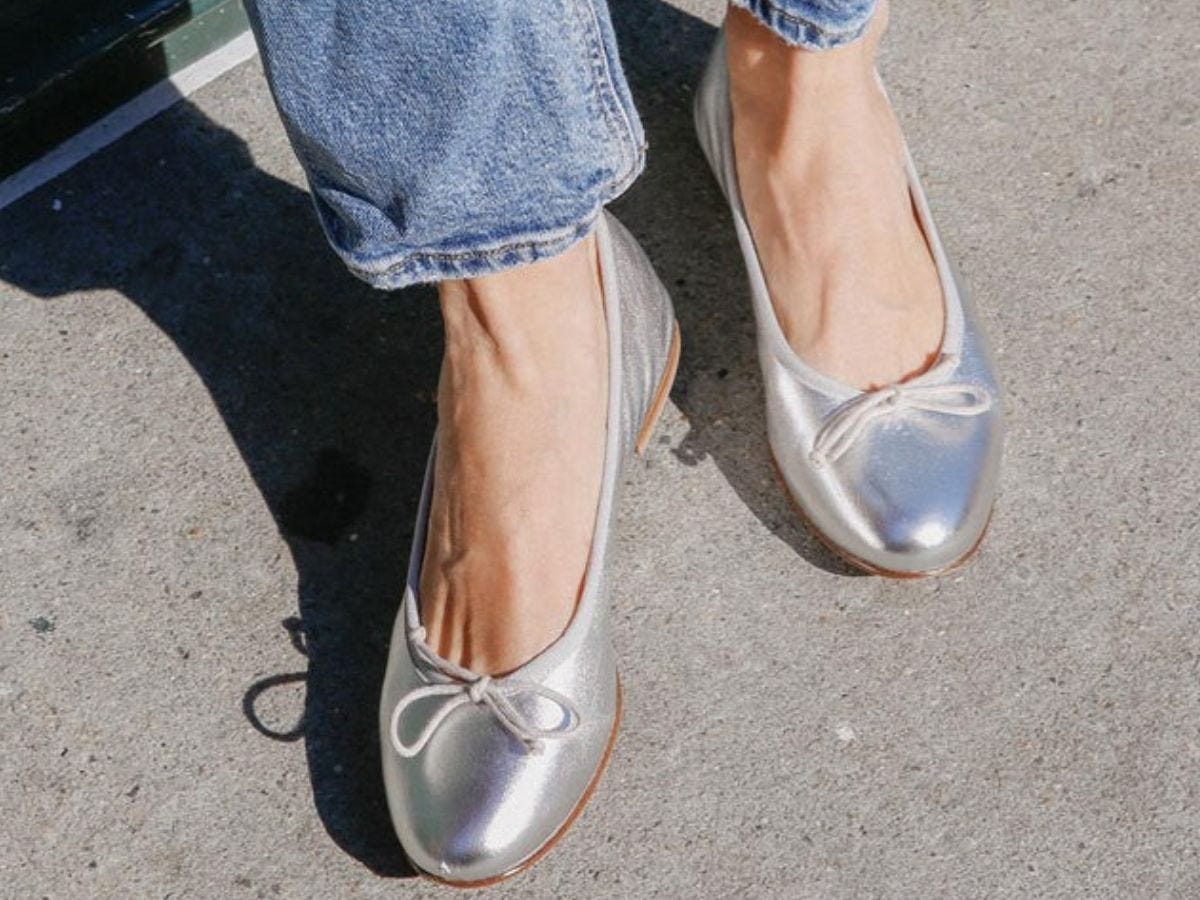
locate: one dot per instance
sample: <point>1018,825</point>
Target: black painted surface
<point>42,40</point>
<point>63,65</point>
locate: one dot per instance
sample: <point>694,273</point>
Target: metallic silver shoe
<point>899,481</point>
<point>483,773</point>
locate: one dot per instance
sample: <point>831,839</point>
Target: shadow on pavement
<point>679,214</point>
<point>324,384</point>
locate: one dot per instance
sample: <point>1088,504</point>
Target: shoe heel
<point>660,396</point>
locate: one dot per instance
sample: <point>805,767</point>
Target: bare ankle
<point>515,311</point>
<point>762,66</point>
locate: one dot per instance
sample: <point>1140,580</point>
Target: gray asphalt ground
<point>212,440</point>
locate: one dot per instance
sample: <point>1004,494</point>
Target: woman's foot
<point>820,165</point>
<point>522,407</point>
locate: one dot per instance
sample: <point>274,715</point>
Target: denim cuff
<point>808,24</point>
<point>524,246</point>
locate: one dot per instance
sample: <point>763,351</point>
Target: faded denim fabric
<point>455,138</point>
<point>815,24</point>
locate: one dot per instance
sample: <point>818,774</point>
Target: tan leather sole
<point>660,396</point>
<point>861,564</point>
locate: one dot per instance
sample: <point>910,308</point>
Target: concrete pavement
<point>212,443</point>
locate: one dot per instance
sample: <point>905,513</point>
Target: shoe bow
<point>462,686</point>
<point>847,423</point>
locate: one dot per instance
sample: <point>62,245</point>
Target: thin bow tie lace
<point>847,423</point>
<point>463,686</point>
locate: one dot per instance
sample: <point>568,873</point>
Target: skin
<point>522,404</point>
<point>820,162</point>
<point>523,391</point>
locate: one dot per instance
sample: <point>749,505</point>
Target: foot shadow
<point>678,213</point>
<point>325,385</point>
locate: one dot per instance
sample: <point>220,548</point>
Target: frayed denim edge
<point>798,31</point>
<point>406,269</point>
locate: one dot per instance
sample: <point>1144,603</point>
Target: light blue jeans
<point>455,138</point>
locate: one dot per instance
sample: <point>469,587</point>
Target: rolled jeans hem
<point>799,28</point>
<point>408,267</point>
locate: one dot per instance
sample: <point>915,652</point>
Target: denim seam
<point>415,261</point>
<point>619,125</point>
<point>604,88</point>
<point>789,16</point>
<point>456,255</point>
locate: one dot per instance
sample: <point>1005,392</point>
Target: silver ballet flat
<point>899,481</point>
<point>483,774</point>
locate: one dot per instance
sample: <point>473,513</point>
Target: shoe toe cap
<point>912,503</point>
<point>933,516</point>
<point>476,804</point>
<point>923,538</point>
